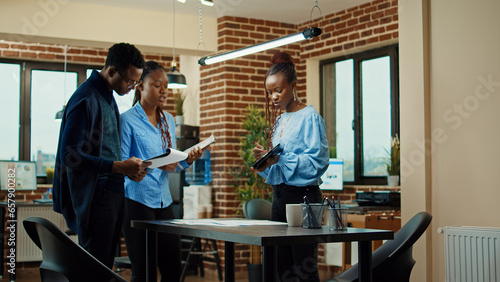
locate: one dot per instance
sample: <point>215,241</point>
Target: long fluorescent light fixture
<point>308,33</point>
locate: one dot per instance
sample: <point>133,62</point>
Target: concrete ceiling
<point>287,11</point>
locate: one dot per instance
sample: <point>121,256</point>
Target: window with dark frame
<point>360,105</point>
<point>36,93</point>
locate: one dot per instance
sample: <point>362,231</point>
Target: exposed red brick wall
<point>75,55</point>
<point>227,88</point>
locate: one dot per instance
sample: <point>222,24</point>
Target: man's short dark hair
<point>122,55</point>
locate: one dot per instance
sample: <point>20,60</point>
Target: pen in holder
<point>46,194</point>
<point>312,214</point>
<point>338,218</point>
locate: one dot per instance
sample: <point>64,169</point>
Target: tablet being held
<point>259,164</point>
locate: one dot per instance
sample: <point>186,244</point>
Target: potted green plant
<point>248,183</point>
<point>179,99</point>
<point>393,162</point>
<point>49,171</point>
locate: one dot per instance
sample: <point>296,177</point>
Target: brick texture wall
<point>75,55</point>
<point>227,88</point>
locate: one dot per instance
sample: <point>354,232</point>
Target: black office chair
<point>257,209</point>
<point>63,259</point>
<point>393,261</point>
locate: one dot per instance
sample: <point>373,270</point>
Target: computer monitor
<point>333,178</point>
<point>20,175</point>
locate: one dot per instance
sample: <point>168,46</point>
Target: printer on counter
<point>379,198</point>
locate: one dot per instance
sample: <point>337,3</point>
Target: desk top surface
<point>265,235</point>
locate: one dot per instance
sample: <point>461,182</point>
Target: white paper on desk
<point>224,222</point>
<point>171,156</point>
<point>203,144</point>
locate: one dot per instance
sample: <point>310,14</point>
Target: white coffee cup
<point>294,215</point>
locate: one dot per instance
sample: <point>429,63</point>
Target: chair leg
<point>217,259</point>
<point>48,275</point>
<point>198,253</point>
<point>188,258</point>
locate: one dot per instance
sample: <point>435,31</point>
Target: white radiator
<point>26,249</point>
<point>472,254</point>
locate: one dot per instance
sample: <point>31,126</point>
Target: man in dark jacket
<point>89,175</point>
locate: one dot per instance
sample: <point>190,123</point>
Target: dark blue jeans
<point>295,262</point>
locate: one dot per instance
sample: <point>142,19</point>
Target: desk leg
<point>268,260</point>
<point>229,261</point>
<point>151,255</point>
<point>365,261</point>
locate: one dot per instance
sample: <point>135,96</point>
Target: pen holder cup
<point>338,218</point>
<point>312,215</point>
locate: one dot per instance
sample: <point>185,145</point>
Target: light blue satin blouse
<point>304,156</point>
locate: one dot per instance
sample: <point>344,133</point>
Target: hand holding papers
<point>174,156</point>
<point>202,145</point>
<point>171,156</point>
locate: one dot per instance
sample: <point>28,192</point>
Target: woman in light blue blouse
<point>146,132</point>
<point>296,171</point>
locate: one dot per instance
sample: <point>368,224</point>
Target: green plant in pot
<point>393,162</point>
<point>179,99</point>
<point>49,174</point>
<point>248,183</point>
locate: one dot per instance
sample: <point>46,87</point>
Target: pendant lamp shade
<point>176,80</point>
<point>59,115</point>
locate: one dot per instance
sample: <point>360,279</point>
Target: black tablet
<point>264,158</point>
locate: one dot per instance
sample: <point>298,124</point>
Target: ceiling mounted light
<point>308,33</point>
<point>182,1</point>
<point>176,79</point>
<point>207,2</point>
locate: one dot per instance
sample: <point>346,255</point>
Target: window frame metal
<point>25,94</point>
<point>392,51</point>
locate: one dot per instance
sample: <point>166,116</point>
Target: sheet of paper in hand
<point>202,145</point>
<point>171,156</point>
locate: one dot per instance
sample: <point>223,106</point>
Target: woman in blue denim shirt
<point>147,131</point>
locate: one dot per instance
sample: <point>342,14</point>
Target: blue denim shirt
<point>142,140</point>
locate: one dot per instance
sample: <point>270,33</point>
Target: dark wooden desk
<point>267,236</point>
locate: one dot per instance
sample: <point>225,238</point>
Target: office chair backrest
<point>63,259</point>
<point>257,209</point>
<point>393,261</point>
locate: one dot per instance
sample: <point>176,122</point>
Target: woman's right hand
<point>258,151</point>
